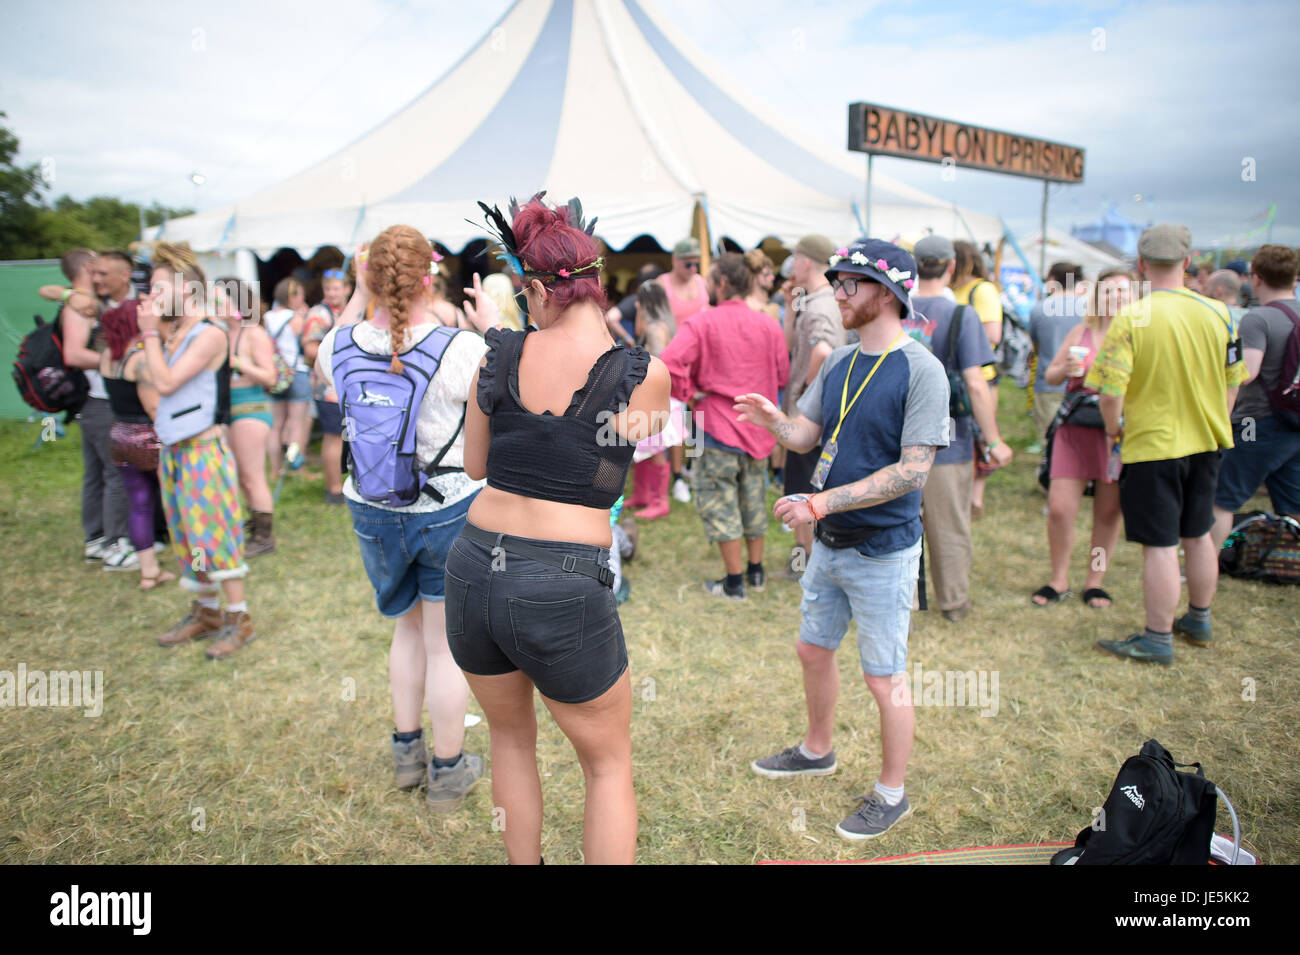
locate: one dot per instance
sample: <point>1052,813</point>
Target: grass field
<point>269,758</point>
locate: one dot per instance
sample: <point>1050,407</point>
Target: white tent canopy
<point>603,99</point>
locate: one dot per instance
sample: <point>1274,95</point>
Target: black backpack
<point>43,380</point>
<point>1154,815</point>
<point>959,405</point>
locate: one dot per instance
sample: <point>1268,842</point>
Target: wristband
<point>151,333</point>
<point>812,509</point>
<point>993,445</point>
<point>67,294</point>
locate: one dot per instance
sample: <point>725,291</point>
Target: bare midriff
<point>505,513</point>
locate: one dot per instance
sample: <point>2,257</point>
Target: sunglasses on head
<point>850,285</point>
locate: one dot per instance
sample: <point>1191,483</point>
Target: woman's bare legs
<point>1106,520</point>
<point>601,732</point>
<point>275,441</point>
<point>507,702</point>
<point>249,438</point>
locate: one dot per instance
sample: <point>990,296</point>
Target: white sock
<point>241,607</point>
<point>809,754</point>
<point>209,601</point>
<point>891,796</point>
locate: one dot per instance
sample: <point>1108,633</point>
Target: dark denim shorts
<point>507,613</point>
<point>404,553</point>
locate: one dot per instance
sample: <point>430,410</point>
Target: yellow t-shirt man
<point>988,306</point>
<point>1166,354</point>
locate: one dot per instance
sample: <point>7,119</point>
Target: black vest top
<point>574,458</point>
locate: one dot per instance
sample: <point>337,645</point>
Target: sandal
<point>1050,596</point>
<point>1096,593</point>
<point>162,577</point>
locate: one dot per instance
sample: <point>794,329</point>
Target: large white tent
<point>603,99</point>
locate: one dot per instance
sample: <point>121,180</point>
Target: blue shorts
<point>405,553</point>
<point>330,416</point>
<point>1270,458</point>
<point>300,390</point>
<point>877,592</point>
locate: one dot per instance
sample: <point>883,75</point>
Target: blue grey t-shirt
<point>905,404</point>
<point>930,324</point>
<point>1049,322</point>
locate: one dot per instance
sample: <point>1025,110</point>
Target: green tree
<point>20,193</point>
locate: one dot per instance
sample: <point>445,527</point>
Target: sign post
<point>882,130</point>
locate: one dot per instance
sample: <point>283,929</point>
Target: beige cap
<point>1165,243</point>
<point>816,247</point>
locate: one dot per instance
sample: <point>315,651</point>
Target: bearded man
<point>879,409</point>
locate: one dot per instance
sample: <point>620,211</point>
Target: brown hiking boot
<point>237,632</point>
<point>200,622</point>
<point>260,539</point>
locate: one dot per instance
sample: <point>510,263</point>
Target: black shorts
<point>330,416</point>
<point>507,613</point>
<point>1166,500</point>
<point>799,469</point>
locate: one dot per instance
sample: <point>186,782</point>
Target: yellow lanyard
<point>844,395</point>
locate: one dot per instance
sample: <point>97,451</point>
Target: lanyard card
<point>823,469</point>
<point>1234,351</point>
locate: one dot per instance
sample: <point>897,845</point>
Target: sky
<point>1187,111</point>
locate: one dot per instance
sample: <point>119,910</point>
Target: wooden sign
<point>891,132</point>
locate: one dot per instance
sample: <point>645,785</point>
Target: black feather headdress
<point>507,246</point>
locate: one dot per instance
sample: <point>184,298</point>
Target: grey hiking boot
<point>873,818</point>
<point>449,786</point>
<point>410,759</point>
<point>792,762</point>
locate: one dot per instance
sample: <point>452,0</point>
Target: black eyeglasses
<point>850,286</point>
<point>691,263</point>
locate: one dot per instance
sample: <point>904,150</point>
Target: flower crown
<point>857,258</point>
<point>507,247</point>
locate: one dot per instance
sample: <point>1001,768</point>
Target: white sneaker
<point>681,491</point>
<point>95,549</point>
<point>121,556</point>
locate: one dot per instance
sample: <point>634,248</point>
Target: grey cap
<point>1165,243</point>
<point>687,248</point>
<point>934,247</point>
<point>816,247</point>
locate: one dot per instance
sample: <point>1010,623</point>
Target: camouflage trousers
<point>730,492</point>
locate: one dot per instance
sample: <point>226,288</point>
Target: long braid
<point>398,264</point>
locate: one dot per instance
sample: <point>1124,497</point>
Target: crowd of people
<point>489,443</point>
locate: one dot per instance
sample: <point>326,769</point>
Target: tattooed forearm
<point>890,482</point>
<point>798,435</point>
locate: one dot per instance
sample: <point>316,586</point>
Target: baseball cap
<point>1165,243</point>
<point>881,261</point>
<point>934,247</point>
<point>816,247</point>
<point>687,247</point>
<point>1240,266</point>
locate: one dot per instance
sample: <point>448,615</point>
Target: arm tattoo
<point>893,481</point>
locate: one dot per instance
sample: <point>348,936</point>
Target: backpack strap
<point>954,331</point>
<point>1289,313</point>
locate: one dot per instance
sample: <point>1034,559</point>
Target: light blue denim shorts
<point>877,592</point>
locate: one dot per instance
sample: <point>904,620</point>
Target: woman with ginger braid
<point>200,488</point>
<point>132,442</point>
<point>404,538</point>
<point>558,410</point>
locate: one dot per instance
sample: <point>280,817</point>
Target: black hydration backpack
<point>43,380</point>
<point>1154,815</point>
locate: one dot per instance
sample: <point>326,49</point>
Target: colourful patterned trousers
<point>200,494</point>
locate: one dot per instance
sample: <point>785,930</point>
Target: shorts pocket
<point>547,631</point>
<point>454,605</point>
<point>372,555</point>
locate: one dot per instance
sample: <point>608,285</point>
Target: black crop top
<point>566,458</point>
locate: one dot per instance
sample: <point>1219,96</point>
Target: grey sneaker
<point>411,760</point>
<point>791,762</point>
<point>449,786</point>
<point>95,549</point>
<point>120,556</point>
<point>873,818</point>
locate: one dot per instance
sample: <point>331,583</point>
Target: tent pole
<point>1042,237</point>
<point>867,211</point>
<point>700,229</point>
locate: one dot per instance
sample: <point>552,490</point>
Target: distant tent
<point>1114,228</point>
<point>1066,248</point>
<point>604,99</point>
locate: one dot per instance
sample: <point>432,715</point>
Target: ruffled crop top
<point>567,458</point>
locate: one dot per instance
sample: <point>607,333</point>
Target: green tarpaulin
<point>18,303</point>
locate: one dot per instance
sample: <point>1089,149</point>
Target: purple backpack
<point>380,410</point>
